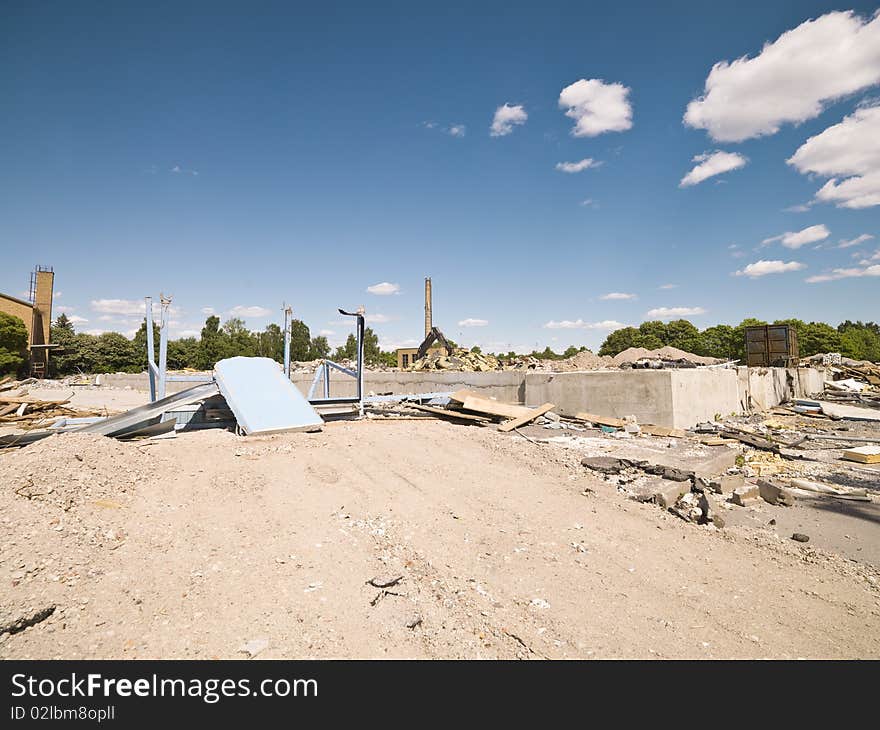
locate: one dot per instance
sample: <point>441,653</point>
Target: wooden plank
<point>461,395</point>
<point>8,409</point>
<point>526,418</point>
<point>444,413</point>
<point>494,407</point>
<point>651,429</point>
<point>601,420</point>
<point>31,401</point>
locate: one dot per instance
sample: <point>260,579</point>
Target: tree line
<point>112,352</point>
<point>858,340</point>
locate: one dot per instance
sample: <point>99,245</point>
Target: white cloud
<point>208,310</point>
<point>456,130</point>
<point>377,318</point>
<point>125,307</point>
<point>791,80</point>
<point>327,333</point>
<point>506,117</point>
<point>670,312</point>
<point>714,163</point>
<point>589,203</point>
<point>251,312</point>
<point>579,324</point>
<point>668,286</point>
<point>848,153</point>
<point>384,289</point>
<point>62,309</point>
<point>470,322</point>
<point>801,208</point>
<point>57,295</point>
<point>800,238</point>
<point>189,333</point>
<point>580,166</point>
<point>178,170</point>
<point>76,319</point>
<point>762,268</point>
<point>618,295</point>
<point>596,107</point>
<point>873,270</point>
<point>844,243</point>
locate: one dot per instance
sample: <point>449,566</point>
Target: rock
<point>254,647</point>
<point>709,511</point>
<point>605,464</point>
<point>667,492</point>
<point>775,493</point>
<point>727,483</point>
<point>800,537</point>
<point>744,496</point>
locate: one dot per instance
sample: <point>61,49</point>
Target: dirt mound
<point>584,360</point>
<point>633,354</point>
<point>67,470</point>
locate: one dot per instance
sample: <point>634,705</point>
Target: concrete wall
<point>645,394</point>
<point>676,398</point>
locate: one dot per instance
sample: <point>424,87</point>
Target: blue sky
<point>239,156</point>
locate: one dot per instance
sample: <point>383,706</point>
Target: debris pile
<point>460,360</point>
<point>18,407</point>
<point>663,357</point>
<point>584,360</point>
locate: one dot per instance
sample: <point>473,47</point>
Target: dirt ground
<point>211,545</point>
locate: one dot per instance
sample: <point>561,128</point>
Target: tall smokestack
<point>428,317</point>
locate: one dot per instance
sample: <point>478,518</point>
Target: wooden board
<point>459,396</point>
<point>601,420</point>
<point>863,454</point>
<point>652,430</point>
<point>494,407</point>
<point>526,418</point>
<point>443,413</point>
<point>31,401</point>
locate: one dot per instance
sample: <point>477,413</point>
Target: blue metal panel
<point>262,399</point>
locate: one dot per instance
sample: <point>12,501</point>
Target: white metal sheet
<point>262,399</point>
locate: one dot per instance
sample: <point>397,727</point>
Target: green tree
<point>183,353</point>
<point>115,353</point>
<point>570,351</point>
<point>319,348</point>
<point>372,352</point>
<point>653,331</point>
<point>13,342</point>
<point>64,360</point>
<point>718,341</point>
<point>682,334</point>
<point>140,343</point>
<point>818,337</point>
<point>270,342</point>
<point>240,341</point>
<point>212,345</point>
<point>620,340</point>
<point>300,341</point>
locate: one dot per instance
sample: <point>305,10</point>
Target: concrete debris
<point>666,493</point>
<point>254,647</point>
<point>800,537</point>
<point>775,493</point>
<point>745,496</point>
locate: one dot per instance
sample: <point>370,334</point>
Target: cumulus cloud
<point>506,118</point>
<point>596,107</point>
<point>326,333</point>
<point>470,322</point>
<point>848,153</point>
<point>249,312</point>
<point>384,289</point>
<point>872,270</point>
<point>377,318</point>
<point>580,166</point>
<point>712,163</point>
<point>668,286</point>
<point>456,130</point>
<point>617,295</point>
<point>178,170</point>
<point>791,80</point>
<point>62,309</point>
<point>855,241</point>
<point>670,312</point>
<point>796,239</point>
<point>125,307</point>
<point>762,268</point>
<point>76,319</point>
<point>579,324</point>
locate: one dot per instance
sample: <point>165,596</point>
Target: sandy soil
<point>196,546</point>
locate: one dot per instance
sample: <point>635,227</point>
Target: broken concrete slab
<point>775,493</point>
<point>725,484</point>
<point>607,464</point>
<point>666,493</point>
<point>745,496</point>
